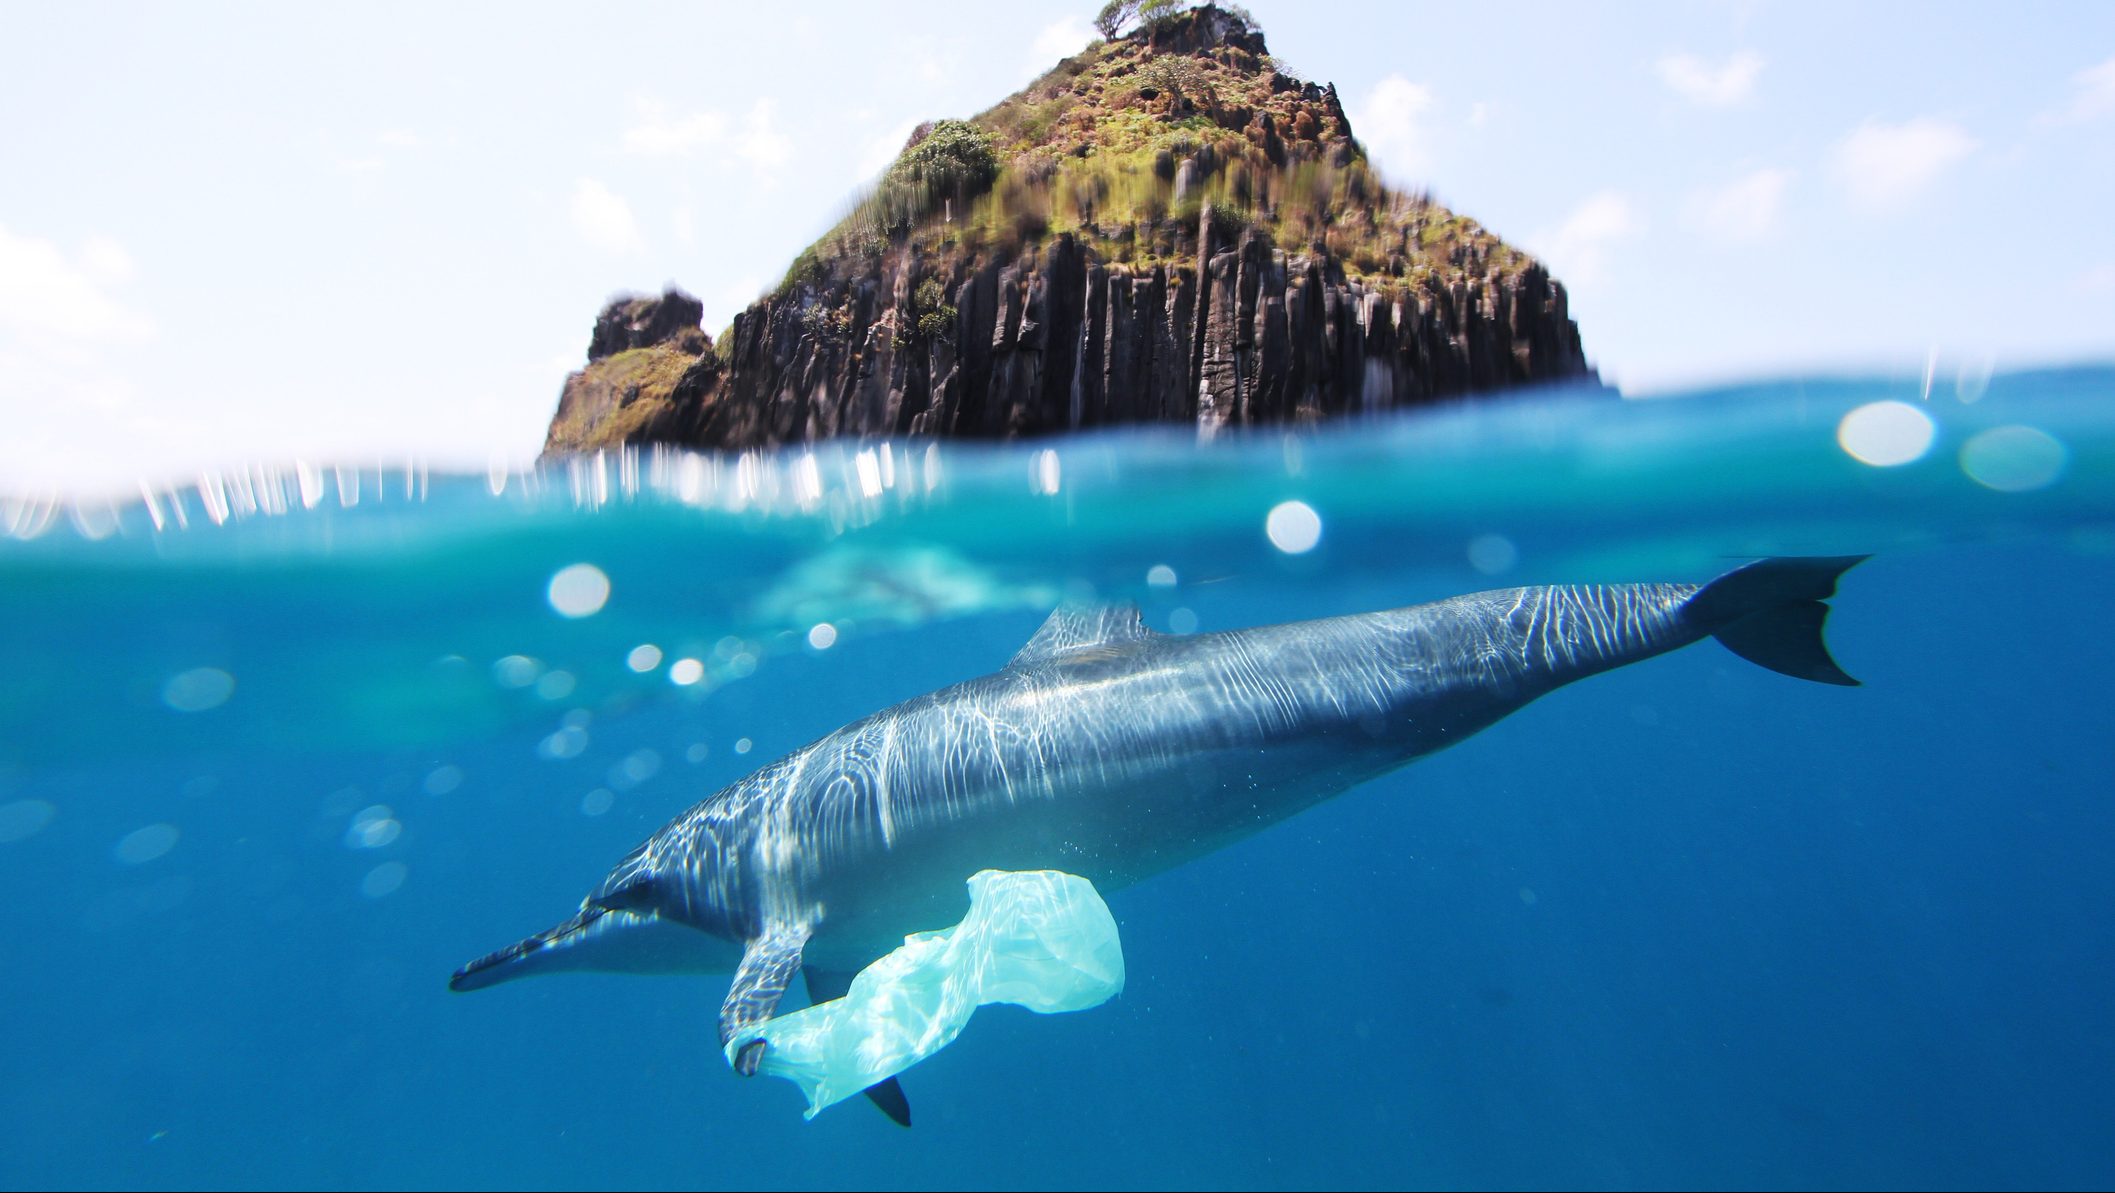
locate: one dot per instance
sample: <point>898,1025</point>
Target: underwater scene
<point>282,750</point>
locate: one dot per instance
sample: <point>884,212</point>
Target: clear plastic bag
<point>1039,939</point>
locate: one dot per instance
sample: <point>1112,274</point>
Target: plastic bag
<point>1038,938</point>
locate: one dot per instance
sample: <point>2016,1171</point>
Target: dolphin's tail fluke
<point>1771,612</point>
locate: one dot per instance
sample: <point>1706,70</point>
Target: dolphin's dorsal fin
<point>1083,627</point>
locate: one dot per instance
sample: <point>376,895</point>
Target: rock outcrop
<point>636,322</point>
<point>1181,234</point>
<point>641,349</point>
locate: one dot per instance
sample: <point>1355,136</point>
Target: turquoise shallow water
<point>279,750</point>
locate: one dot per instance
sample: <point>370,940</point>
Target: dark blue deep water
<point>279,750</point>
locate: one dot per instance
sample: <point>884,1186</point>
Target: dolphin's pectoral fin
<point>824,985</point>
<point>768,964</point>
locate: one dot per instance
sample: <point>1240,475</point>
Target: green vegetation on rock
<point>1126,145</point>
<point>618,396</point>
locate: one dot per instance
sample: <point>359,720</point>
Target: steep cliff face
<point>1048,339</point>
<point>1163,229</point>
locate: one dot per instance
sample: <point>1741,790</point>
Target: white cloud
<point>604,218</point>
<point>1479,114</point>
<point>761,143</point>
<point>2100,279</point>
<point>656,132</point>
<point>1388,122</point>
<point>930,65</point>
<point>66,377</point>
<point>43,292</point>
<point>365,161</point>
<point>76,421</point>
<point>1744,209</point>
<point>882,150</point>
<point>685,225</point>
<point>1884,166</point>
<point>107,260</point>
<point>1059,39</point>
<point>1700,82</point>
<point>2092,96</point>
<point>755,138</point>
<point>1579,249</point>
<point>65,370</point>
<point>921,62</point>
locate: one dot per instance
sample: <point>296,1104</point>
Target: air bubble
<point>384,880</point>
<point>146,844</point>
<point>198,689</point>
<point>1492,554</point>
<point>2014,459</point>
<point>1293,527</point>
<point>24,818</point>
<point>1886,434</point>
<point>579,591</point>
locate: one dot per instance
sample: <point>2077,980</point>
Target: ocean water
<point>281,749</point>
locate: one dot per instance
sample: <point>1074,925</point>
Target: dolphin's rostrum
<point>1109,751</point>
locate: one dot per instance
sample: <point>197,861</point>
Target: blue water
<point>280,749</point>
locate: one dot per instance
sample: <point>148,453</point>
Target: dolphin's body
<point>1113,752</point>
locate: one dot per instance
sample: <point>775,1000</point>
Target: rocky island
<point>1164,228</point>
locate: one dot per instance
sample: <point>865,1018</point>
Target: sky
<point>380,233</point>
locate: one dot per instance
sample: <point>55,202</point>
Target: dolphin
<point>1113,752</point>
